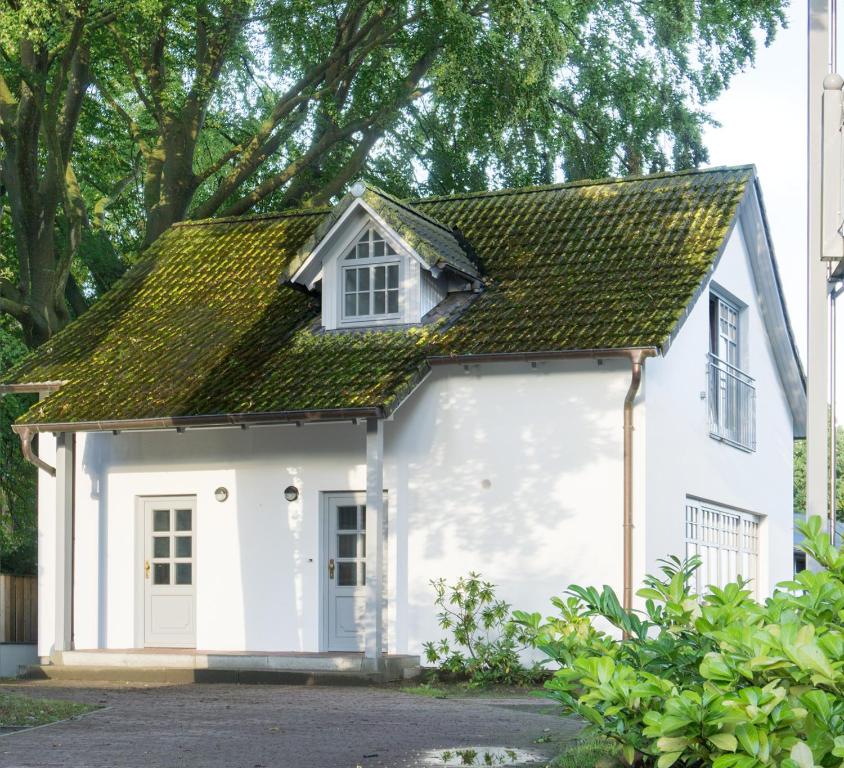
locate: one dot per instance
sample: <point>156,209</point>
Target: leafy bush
<point>722,680</point>
<point>484,645</point>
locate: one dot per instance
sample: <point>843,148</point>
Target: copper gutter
<point>564,354</point>
<point>637,358</point>
<point>210,420</point>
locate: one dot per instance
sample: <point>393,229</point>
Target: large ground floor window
<point>727,541</point>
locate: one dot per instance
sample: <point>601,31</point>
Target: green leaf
<point>668,759</point>
<point>672,743</point>
<point>802,755</point>
<point>724,741</point>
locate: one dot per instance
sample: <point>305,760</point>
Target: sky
<point>762,120</point>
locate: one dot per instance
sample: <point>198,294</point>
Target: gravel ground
<point>252,726</point>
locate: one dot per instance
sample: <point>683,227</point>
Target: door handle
<point>331,568</point>
<point>146,569</point>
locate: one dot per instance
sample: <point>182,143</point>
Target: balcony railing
<point>732,404</point>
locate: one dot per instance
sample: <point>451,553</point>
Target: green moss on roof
<point>434,243</point>
<point>202,325</point>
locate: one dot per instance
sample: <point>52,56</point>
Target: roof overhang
<point>32,387</point>
<point>750,215</point>
<point>326,415</point>
<point>757,240</point>
<point>243,420</point>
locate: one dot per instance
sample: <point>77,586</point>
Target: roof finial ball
<point>833,82</point>
<point>358,188</point>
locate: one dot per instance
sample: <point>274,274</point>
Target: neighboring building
<point>276,430</point>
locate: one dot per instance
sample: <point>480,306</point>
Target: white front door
<point>345,570</point>
<point>170,572</point>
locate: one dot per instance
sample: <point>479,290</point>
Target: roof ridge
<point>404,204</point>
<point>409,204</point>
<point>289,214</point>
<point>582,183</point>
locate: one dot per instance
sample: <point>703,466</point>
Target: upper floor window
<point>370,279</point>
<point>731,392</point>
<point>724,324</point>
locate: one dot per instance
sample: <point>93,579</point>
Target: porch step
<point>183,666</point>
<point>79,673</point>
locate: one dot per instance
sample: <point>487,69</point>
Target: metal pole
<point>817,443</point>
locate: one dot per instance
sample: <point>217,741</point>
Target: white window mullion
<point>727,542</point>
<point>371,282</point>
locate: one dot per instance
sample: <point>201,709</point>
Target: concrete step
<point>79,673</point>
<point>188,666</point>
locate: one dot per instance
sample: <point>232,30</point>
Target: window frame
<point>370,262</point>
<point>708,529</point>
<point>725,301</point>
<point>731,391</point>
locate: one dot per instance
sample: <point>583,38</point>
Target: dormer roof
<point>435,245</point>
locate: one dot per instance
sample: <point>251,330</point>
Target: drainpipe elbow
<point>26,434</point>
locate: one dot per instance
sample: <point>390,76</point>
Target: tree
<point>18,516</point>
<point>118,119</point>
<point>800,474</point>
<point>45,71</point>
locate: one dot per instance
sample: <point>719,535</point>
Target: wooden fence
<point>18,608</point>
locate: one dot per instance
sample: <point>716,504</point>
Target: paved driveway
<point>251,726</point>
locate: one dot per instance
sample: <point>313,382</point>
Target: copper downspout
<point>637,358</point>
<point>26,435</point>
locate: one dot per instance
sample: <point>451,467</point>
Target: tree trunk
<point>170,182</point>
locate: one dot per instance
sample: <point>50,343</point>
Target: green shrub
<point>721,681</point>
<point>485,644</point>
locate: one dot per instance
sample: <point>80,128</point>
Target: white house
<point>270,436</point>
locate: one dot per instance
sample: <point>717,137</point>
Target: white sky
<point>763,121</point>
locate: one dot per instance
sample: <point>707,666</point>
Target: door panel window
<point>172,547</point>
<point>350,545</point>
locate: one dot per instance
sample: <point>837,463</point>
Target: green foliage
<point>18,515</point>
<point>800,474</point>
<point>484,645</point>
<point>588,753</point>
<point>25,711</point>
<point>722,681</point>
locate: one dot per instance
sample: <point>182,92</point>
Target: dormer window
<point>377,262</point>
<point>370,279</point>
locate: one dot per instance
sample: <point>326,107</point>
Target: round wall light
<point>291,493</point>
<point>221,494</point>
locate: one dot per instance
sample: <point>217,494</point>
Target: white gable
<point>368,275</point>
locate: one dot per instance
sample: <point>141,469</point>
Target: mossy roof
<point>436,244</point>
<point>204,325</point>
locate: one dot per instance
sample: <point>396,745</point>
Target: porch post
<point>374,539</point>
<point>64,540</point>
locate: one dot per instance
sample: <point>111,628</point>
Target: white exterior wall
<point>512,472</point>
<point>257,578</point>
<point>507,470</point>
<point>682,459</point>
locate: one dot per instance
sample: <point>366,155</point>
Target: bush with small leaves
<point>720,680</point>
<point>485,645</point>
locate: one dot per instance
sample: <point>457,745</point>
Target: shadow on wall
<point>95,464</point>
<point>517,482</point>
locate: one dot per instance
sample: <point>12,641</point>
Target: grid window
<point>371,286</point>
<point>726,541</point>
